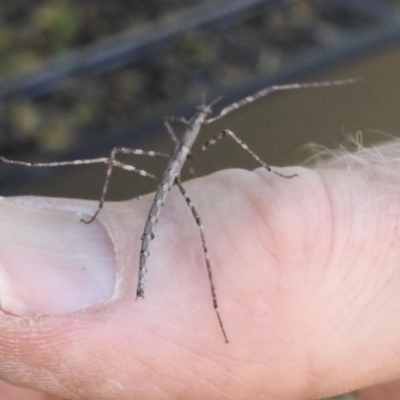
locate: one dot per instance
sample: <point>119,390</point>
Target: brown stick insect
<point>171,176</point>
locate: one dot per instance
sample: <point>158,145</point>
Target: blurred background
<point>80,77</point>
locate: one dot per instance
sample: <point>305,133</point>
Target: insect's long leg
<point>112,162</point>
<point>244,146</point>
<point>181,120</point>
<point>100,160</point>
<point>168,126</point>
<point>276,88</point>
<point>205,251</point>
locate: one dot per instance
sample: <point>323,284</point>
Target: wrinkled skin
<point>307,274</point>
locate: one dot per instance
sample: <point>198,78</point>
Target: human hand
<point>306,272</point>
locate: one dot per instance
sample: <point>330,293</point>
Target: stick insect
<point>171,176</point>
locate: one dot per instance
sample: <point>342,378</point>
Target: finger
<point>132,342</point>
<point>306,277</point>
<point>11,392</point>
<point>385,391</point>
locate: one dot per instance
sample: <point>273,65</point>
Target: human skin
<point>306,273</point>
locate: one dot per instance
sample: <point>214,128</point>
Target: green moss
<point>59,19</point>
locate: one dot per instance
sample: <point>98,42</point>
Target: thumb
<point>70,325</point>
<point>306,272</point>
<point>52,269</point>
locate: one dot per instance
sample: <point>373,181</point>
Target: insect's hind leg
<point>205,251</point>
<point>229,133</point>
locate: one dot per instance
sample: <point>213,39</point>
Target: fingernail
<point>51,263</point>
